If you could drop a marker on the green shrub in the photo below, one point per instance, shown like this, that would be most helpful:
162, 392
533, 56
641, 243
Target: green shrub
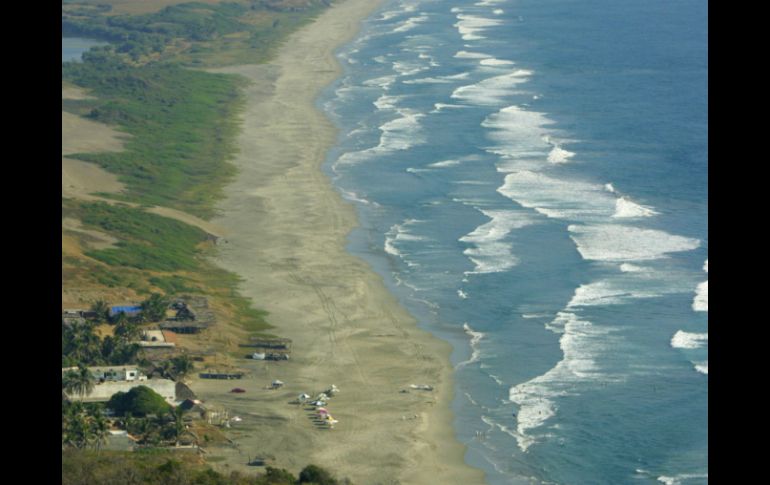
316, 475
139, 401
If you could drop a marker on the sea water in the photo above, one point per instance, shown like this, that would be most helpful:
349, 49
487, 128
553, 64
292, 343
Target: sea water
531, 182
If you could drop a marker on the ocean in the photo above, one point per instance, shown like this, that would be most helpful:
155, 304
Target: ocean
531, 181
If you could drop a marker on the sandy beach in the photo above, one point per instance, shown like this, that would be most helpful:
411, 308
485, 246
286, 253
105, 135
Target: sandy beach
287, 229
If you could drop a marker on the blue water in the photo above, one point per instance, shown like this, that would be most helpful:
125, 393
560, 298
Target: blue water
72, 48
531, 181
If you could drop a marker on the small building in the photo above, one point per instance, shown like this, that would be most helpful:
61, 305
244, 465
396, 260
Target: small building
129, 310
221, 375
112, 373
185, 314
183, 327
154, 339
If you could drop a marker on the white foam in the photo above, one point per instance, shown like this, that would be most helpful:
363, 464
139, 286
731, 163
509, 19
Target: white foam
493, 90
605, 292
495, 62
610, 188
624, 208
491, 254
399, 233
677, 480
633, 268
688, 340
701, 301
535, 315
498, 11
383, 82
397, 134
387, 102
559, 155
706, 266
401, 133
556, 198
471, 55
519, 135
581, 342
702, 367
489, 3
462, 75
389, 15
428, 80
354, 197
445, 163
470, 26
614, 242
462, 294
437, 79
411, 23
442, 106
474, 343
406, 68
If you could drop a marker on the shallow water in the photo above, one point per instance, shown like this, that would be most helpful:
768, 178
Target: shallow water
72, 48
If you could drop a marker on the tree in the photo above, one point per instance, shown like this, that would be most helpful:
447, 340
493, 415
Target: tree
316, 475
126, 331
278, 476
81, 344
139, 401
80, 382
102, 310
83, 425
182, 366
154, 308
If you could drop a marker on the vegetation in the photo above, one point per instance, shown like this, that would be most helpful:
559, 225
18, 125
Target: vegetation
80, 467
83, 425
139, 401
102, 311
81, 346
79, 382
154, 308
182, 125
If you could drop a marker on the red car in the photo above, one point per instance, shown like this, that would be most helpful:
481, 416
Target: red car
238, 390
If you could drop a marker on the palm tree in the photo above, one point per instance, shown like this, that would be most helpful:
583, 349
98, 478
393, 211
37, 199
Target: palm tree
98, 432
154, 308
80, 343
183, 365
80, 382
126, 330
166, 369
102, 310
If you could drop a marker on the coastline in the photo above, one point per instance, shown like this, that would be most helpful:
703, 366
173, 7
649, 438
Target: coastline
287, 232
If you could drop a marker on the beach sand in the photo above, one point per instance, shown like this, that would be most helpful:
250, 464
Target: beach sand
287, 229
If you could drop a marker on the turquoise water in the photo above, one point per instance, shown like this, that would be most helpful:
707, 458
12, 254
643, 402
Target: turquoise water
72, 48
531, 181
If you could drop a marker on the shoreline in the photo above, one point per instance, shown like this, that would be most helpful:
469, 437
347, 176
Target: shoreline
284, 218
